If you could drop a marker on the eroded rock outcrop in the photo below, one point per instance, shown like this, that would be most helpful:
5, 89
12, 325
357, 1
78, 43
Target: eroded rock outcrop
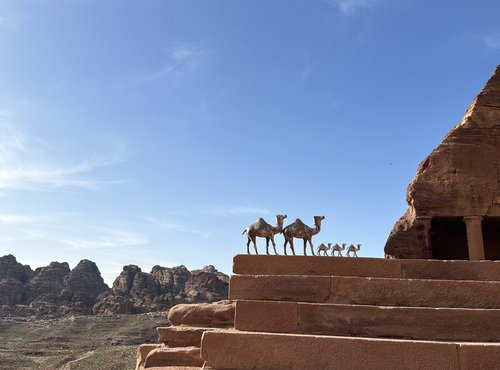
460, 178
50, 291
56, 290
135, 291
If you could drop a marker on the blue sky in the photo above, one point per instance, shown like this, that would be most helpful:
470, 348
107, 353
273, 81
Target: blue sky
154, 132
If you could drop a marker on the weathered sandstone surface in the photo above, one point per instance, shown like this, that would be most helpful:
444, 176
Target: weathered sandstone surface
460, 178
56, 290
135, 291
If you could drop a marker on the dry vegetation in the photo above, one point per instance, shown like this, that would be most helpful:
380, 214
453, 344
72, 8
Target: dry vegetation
76, 342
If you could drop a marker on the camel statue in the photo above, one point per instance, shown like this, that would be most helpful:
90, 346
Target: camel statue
323, 248
262, 229
300, 230
337, 248
353, 249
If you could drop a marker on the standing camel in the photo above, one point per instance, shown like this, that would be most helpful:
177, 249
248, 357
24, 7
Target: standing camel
300, 230
323, 248
353, 249
262, 229
337, 248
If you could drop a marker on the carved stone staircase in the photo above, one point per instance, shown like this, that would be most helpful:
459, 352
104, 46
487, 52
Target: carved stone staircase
359, 313
179, 347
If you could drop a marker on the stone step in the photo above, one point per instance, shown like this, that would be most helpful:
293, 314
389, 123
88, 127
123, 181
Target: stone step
366, 267
367, 291
265, 351
142, 353
218, 314
181, 336
421, 323
174, 368
165, 356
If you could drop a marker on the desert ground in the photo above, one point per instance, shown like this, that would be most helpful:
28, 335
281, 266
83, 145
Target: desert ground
76, 342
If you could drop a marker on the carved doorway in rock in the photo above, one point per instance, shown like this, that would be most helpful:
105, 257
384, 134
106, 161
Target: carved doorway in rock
491, 238
449, 239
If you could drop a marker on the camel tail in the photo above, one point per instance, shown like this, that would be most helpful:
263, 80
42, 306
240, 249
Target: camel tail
244, 232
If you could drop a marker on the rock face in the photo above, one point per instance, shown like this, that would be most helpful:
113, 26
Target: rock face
459, 180
135, 291
51, 291
56, 290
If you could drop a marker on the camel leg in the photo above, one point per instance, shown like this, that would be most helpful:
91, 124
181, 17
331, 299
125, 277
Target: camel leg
274, 245
291, 246
248, 245
267, 245
355, 254
305, 246
284, 246
255, 245
312, 247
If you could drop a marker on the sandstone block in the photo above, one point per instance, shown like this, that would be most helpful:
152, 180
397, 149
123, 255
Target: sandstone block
174, 368
276, 317
308, 265
420, 323
263, 351
163, 356
479, 356
280, 288
142, 352
415, 292
181, 336
446, 324
218, 314
450, 270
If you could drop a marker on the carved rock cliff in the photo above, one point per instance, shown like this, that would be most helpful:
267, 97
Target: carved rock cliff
460, 178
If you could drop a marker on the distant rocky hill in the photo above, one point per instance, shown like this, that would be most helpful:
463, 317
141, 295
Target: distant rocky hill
56, 290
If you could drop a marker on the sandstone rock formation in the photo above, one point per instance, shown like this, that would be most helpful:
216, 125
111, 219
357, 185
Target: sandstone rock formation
136, 292
51, 291
56, 290
454, 199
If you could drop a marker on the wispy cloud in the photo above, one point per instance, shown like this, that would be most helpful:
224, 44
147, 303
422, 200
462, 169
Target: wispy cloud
167, 225
29, 162
351, 6
181, 62
14, 235
110, 238
233, 211
11, 219
493, 41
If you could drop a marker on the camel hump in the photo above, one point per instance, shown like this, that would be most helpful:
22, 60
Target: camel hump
262, 222
298, 221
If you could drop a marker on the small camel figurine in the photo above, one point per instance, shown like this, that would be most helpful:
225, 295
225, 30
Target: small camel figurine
337, 248
300, 230
353, 249
323, 248
262, 229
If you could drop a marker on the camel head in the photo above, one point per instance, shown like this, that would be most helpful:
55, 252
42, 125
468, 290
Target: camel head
343, 246
280, 218
318, 219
